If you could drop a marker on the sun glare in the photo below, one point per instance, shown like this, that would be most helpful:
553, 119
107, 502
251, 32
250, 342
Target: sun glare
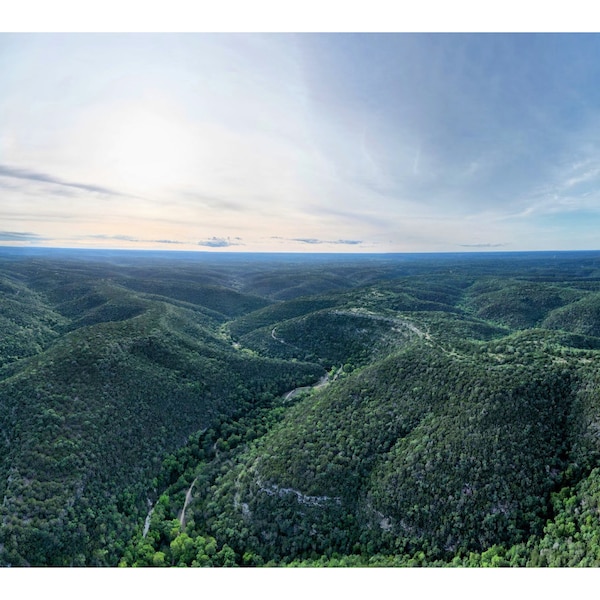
147, 151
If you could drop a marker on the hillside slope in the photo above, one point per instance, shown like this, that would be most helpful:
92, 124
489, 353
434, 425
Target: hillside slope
87, 420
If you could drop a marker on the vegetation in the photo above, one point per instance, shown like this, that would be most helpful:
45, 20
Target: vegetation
243, 410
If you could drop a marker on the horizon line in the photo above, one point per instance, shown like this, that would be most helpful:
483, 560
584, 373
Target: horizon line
221, 251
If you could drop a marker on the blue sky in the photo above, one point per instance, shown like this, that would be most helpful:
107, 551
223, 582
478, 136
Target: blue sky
301, 142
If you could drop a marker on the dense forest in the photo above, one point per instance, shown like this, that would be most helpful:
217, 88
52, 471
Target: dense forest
206, 409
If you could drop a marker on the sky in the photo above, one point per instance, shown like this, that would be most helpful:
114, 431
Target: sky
300, 142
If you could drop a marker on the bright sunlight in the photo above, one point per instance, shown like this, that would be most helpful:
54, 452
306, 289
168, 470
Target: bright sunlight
147, 151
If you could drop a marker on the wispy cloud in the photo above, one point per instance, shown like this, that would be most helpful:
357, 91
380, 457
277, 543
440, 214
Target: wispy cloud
129, 238
486, 245
307, 240
216, 202
122, 238
20, 236
347, 242
216, 242
317, 241
28, 175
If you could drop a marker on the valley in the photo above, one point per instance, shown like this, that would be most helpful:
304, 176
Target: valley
299, 410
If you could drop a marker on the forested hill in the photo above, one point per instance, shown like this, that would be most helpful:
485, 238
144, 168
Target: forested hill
235, 409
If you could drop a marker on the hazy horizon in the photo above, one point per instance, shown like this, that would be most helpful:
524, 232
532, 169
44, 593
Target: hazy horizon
39, 249
319, 143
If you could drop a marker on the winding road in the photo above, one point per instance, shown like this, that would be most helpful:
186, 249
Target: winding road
188, 497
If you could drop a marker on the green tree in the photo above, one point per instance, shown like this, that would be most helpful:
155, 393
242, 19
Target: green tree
183, 550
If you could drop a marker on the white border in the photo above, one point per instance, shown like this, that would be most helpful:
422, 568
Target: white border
297, 15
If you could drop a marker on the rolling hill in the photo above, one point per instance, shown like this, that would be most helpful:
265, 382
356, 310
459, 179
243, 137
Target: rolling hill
239, 410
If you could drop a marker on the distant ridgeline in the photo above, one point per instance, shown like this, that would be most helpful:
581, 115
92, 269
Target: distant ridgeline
206, 409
